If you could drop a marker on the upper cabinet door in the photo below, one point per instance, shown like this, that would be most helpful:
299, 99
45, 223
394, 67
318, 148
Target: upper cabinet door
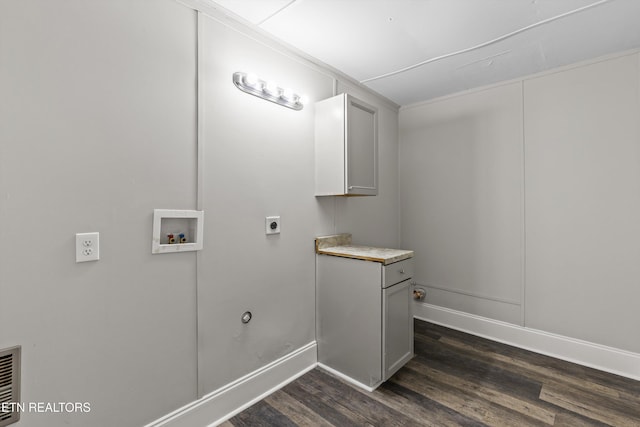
346, 147
361, 148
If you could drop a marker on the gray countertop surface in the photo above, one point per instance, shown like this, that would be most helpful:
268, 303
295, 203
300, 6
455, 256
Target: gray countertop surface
340, 245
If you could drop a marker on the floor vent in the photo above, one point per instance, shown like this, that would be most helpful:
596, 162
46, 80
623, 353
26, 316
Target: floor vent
9, 385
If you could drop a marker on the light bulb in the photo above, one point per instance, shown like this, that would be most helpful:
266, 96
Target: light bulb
271, 88
303, 99
288, 95
250, 79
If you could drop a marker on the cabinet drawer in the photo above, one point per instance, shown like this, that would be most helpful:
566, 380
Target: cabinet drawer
397, 272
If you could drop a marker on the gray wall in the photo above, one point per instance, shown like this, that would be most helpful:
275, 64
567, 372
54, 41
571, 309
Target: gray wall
521, 201
461, 193
98, 126
375, 221
582, 148
258, 161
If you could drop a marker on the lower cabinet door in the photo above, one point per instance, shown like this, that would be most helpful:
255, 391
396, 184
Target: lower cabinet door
397, 328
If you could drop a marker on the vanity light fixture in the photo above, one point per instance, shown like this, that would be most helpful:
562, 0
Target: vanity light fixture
270, 91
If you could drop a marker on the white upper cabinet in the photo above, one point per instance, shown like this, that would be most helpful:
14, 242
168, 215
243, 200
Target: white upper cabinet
346, 138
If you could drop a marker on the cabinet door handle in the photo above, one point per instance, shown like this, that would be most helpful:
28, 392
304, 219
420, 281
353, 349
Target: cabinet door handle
401, 271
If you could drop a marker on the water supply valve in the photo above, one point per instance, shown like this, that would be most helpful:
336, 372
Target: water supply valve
419, 294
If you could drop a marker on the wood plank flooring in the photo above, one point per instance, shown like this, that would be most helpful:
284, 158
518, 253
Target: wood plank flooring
457, 379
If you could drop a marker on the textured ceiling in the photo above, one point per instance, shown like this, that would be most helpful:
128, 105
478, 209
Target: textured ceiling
414, 50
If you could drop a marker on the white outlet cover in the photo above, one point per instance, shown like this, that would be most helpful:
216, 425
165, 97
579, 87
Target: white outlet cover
87, 247
269, 228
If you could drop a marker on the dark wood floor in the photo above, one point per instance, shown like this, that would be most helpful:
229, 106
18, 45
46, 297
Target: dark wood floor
457, 379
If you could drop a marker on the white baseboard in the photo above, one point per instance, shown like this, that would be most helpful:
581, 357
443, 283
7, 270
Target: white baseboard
348, 379
224, 403
609, 359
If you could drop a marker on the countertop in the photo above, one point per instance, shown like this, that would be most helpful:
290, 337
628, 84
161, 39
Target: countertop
340, 245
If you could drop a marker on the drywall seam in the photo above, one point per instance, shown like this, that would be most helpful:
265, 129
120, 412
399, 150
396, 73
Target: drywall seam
473, 294
487, 43
277, 12
544, 73
523, 223
200, 182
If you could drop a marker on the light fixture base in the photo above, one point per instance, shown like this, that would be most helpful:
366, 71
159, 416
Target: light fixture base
276, 95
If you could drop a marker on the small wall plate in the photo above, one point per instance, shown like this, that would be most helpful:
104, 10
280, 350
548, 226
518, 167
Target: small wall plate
87, 247
272, 225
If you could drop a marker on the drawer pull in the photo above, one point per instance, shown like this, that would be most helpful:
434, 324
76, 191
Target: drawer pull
401, 271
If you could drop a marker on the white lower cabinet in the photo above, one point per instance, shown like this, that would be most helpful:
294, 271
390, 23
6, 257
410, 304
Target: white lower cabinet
364, 318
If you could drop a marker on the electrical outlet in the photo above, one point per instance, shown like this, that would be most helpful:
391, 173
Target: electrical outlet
272, 225
87, 247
